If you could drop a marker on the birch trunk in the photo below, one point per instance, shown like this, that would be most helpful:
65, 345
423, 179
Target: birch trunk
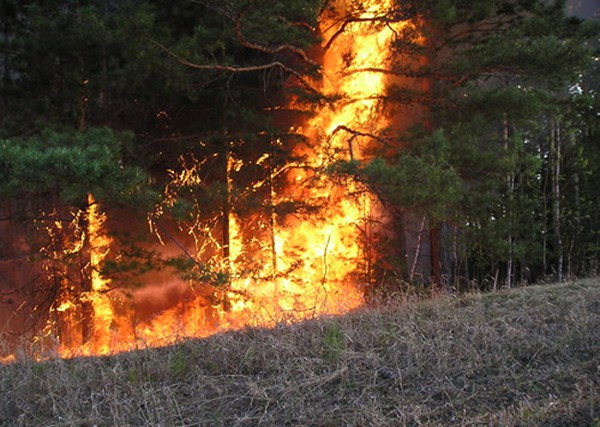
510, 188
556, 158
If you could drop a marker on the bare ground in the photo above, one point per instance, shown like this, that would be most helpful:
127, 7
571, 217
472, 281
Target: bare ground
528, 357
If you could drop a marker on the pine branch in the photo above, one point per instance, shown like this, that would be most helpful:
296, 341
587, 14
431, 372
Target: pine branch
388, 18
273, 51
355, 134
239, 68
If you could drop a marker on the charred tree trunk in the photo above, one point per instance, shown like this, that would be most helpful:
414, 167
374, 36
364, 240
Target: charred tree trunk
5, 66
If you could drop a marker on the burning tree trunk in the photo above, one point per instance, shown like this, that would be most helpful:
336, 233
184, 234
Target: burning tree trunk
272, 211
83, 313
85, 280
102, 313
226, 227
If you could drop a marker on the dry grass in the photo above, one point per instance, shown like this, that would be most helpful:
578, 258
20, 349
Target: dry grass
526, 357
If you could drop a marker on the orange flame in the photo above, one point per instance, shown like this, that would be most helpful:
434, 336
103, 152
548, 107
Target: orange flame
358, 46
310, 266
103, 312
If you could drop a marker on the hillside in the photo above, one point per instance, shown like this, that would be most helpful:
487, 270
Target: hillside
526, 357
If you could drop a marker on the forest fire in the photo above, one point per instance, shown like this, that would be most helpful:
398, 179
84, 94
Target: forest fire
310, 264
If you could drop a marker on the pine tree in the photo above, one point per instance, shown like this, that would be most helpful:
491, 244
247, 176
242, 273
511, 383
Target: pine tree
509, 67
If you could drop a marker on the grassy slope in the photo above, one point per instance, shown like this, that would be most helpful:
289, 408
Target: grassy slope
526, 357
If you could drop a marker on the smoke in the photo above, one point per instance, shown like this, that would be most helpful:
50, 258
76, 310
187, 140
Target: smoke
153, 299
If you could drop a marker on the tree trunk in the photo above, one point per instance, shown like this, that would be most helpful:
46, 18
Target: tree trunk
226, 226
5, 66
417, 248
576, 225
545, 220
556, 158
510, 189
272, 212
436, 257
87, 309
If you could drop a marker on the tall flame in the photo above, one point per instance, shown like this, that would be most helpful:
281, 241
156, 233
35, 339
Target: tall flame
358, 47
309, 267
103, 312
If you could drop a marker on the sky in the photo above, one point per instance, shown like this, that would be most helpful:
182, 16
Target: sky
584, 8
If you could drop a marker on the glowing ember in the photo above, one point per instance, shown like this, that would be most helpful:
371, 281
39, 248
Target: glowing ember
311, 264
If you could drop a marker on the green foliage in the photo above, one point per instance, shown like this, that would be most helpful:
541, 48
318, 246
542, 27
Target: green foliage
179, 364
333, 343
71, 165
499, 72
418, 179
118, 65
191, 269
